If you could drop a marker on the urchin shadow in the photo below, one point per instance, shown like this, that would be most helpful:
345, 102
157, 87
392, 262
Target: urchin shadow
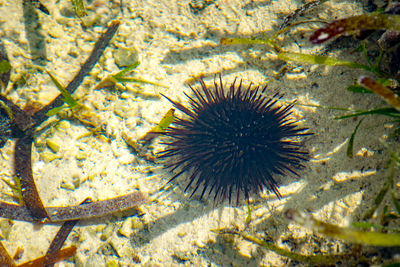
187, 212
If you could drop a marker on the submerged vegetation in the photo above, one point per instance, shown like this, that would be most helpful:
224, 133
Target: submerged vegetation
22, 125
378, 80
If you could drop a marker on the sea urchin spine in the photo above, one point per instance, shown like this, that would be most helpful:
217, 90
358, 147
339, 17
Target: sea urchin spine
233, 141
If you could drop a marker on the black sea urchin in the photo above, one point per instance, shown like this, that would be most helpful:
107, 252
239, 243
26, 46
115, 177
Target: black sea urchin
233, 141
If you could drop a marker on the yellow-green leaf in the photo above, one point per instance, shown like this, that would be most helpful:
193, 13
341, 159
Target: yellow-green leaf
321, 60
67, 96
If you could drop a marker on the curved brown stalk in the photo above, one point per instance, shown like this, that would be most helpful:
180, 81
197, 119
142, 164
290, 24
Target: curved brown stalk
23, 147
87, 211
23, 170
57, 243
97, 52
61, 255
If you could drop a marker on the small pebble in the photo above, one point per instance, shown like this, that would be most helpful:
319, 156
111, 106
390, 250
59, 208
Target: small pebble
125, 56
126, 228
53, 145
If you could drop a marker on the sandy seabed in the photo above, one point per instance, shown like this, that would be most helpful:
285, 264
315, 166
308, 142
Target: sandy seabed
176, 45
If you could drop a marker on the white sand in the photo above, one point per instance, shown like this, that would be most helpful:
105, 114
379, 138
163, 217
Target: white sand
175, 45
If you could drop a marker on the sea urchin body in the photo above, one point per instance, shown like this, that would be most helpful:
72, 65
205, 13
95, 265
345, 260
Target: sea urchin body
234, 141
